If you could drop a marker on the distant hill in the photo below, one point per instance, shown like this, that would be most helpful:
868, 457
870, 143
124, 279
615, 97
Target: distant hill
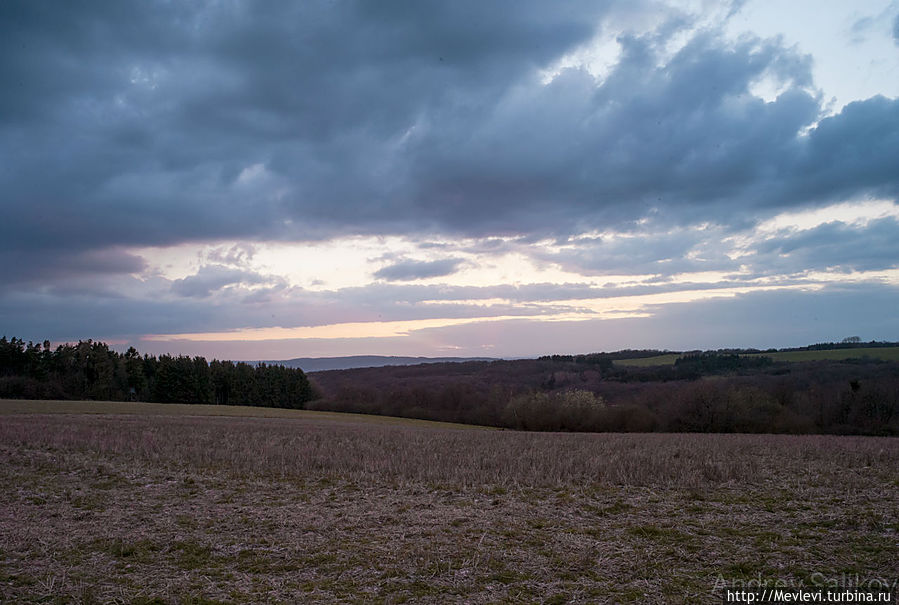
609, 392
320, 364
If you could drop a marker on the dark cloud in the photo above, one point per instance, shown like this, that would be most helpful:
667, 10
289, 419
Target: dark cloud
133, 121
685, 133
834, 246
409, 270
830, 246
850, 153
666, 253
141, 123
54, 265
99, 315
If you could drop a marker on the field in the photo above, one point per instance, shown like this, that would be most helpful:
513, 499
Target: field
884, 353
645, 362
140, 408
158, 508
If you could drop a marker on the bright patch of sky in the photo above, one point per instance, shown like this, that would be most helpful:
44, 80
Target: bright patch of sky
334, 265
855, 213
854, 53
852, 45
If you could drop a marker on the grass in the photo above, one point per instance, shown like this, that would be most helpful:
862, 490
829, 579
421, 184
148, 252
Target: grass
23, 406
645, 362
884, 353
174, 508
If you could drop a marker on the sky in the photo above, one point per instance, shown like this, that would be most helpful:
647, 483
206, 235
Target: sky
269, 180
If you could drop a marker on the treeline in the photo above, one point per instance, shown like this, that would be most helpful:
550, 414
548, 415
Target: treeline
703, 392
848, 343
91, 370
696, 365
853, 342
606, 359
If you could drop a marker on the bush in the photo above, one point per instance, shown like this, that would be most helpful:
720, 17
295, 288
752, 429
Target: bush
575, 410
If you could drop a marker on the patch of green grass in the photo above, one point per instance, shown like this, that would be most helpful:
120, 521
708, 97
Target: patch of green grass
108, 483
645, 362
22, 579
882, 353
141, 551
87, 501
258, 561
618, 507
201, 600
660, 534
191, 555
507, 576
186, 521
631, 595
744, 570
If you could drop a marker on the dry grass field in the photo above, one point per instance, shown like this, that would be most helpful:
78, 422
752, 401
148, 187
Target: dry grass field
155, 508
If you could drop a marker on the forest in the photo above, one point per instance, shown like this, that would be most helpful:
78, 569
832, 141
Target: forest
724, 391
91, 370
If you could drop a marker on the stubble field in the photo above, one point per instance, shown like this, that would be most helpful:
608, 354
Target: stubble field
189, 509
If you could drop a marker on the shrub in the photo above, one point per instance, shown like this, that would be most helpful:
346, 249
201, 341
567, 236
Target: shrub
575, 410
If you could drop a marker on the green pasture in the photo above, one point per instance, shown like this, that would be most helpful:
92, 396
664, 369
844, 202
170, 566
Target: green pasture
884, 353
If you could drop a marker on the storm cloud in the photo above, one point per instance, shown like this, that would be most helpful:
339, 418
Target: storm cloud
129, 126
151, 123
836, 246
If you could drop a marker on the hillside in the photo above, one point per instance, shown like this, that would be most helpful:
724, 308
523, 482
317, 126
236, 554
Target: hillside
320, 364
884, 351
699, 392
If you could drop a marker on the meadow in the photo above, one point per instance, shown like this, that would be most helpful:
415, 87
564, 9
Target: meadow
122, 506
142, 408
882, 353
